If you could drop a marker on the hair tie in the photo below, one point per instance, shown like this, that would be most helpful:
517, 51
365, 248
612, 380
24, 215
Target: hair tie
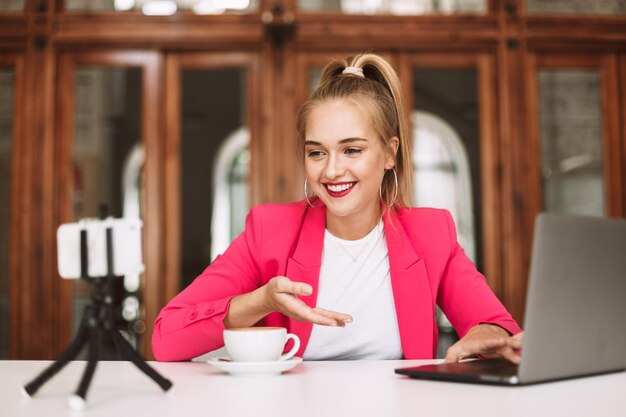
354, 71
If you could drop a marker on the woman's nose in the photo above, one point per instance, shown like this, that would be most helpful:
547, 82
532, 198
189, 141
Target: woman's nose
334, 167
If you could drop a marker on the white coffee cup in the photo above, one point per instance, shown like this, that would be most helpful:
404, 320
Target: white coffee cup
259, 344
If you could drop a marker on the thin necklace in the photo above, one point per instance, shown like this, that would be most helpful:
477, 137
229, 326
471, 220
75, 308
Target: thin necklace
373, 244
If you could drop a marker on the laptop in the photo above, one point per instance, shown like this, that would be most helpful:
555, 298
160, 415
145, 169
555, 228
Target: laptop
575, 322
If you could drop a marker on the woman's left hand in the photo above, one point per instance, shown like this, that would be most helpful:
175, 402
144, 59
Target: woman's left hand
487, 340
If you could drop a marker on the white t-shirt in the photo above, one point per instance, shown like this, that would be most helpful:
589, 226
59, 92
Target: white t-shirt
355, 279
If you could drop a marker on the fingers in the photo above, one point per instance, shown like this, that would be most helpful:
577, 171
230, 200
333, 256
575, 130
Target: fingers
340, 318
285, 285
509, 354
516, 342
511, 351
452, 355
315, 317
460, 350
488, 347
301, 312
284, 294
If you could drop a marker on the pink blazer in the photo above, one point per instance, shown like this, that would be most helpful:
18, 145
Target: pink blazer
427, 267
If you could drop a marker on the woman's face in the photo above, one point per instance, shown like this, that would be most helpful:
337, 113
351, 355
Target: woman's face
345, 160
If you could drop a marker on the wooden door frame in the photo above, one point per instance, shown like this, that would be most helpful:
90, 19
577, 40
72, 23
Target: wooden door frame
175, 63
17, 292
530, 177
607, 66
490, 158
622, 127
153, 213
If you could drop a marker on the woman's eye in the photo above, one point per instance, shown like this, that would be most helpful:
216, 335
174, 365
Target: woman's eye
315, 154
353, 151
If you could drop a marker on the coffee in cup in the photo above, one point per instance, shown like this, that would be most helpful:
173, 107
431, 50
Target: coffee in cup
259, 344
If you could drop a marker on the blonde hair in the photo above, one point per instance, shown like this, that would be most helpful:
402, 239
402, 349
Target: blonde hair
378, 94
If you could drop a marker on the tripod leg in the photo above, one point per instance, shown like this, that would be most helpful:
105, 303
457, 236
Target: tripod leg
70, 353
130, 354
77, 401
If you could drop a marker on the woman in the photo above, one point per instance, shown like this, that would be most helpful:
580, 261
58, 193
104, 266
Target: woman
351, 270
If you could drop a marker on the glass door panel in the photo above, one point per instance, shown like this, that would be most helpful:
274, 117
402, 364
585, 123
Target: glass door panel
107, 166
315, 73
446, 158
165, 7
577, 7
12, 6
571, 132
6, 135
395, 7
214, 164
446, 148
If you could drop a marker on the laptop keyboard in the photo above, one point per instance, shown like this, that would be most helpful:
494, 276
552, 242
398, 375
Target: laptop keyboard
499, 367
489, 371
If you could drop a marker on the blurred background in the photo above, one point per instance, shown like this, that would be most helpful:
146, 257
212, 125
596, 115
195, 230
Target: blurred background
182, 113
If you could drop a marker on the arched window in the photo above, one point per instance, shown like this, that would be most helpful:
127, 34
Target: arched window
230, 190
131, 201
442, 174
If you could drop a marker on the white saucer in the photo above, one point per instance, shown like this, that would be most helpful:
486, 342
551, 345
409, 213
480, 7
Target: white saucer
253, 368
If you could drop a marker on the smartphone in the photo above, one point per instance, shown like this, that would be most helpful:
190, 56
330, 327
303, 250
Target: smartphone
126, 242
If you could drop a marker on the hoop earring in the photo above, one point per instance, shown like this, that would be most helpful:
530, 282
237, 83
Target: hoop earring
395, 194
306, 194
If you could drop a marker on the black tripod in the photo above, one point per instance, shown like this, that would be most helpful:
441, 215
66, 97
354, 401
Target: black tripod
97, 321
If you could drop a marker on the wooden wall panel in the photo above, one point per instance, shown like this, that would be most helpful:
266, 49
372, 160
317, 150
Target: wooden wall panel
516, 226
39, 311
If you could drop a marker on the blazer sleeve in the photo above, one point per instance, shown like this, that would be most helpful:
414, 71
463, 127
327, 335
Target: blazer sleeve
191, 324
464, 295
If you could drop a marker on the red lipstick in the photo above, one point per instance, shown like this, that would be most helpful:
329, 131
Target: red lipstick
337, 194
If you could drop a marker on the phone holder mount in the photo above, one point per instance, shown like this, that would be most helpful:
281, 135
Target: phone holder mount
97, 322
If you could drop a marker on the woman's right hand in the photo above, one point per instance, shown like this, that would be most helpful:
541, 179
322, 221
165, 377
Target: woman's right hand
281, 295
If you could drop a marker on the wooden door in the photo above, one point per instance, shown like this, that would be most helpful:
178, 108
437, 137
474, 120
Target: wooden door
212, 107
107, 113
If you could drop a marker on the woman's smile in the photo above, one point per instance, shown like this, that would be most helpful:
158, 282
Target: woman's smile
339, 189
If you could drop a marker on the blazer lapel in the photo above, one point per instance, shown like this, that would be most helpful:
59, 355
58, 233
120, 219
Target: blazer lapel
304, 266
414, 304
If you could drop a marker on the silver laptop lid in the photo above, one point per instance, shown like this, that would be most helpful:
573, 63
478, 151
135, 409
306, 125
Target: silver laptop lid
576, 304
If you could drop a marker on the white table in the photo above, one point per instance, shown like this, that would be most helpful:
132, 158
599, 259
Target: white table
320, 389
